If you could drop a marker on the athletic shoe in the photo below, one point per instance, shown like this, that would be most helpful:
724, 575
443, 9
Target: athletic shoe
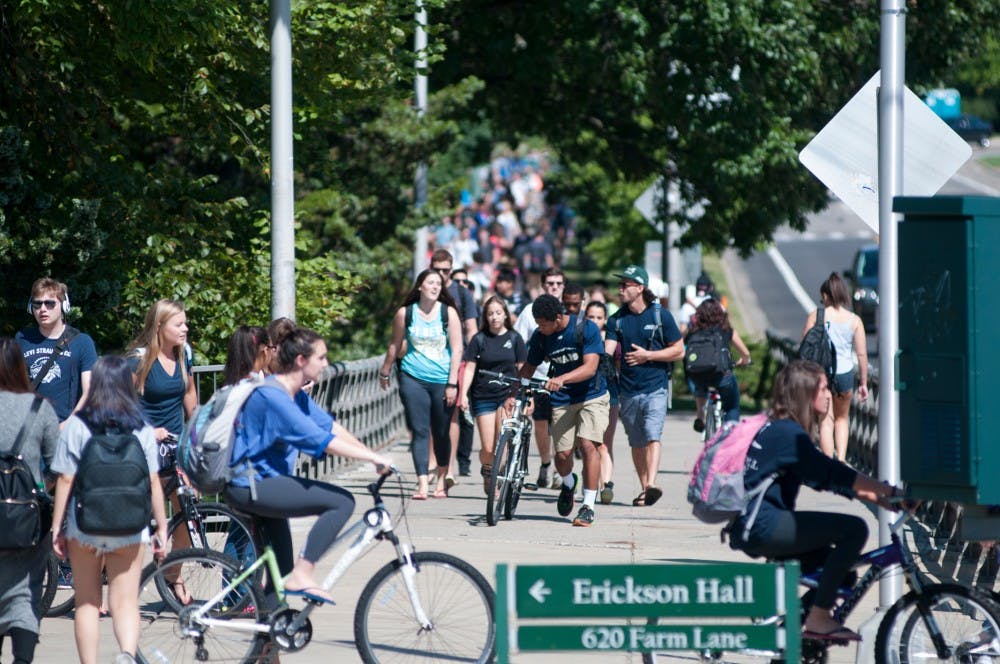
564, 504
585, 517
543, 476
608, 493
699, 424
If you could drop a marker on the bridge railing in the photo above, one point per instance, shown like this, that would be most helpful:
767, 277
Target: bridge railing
935, 535
351, 393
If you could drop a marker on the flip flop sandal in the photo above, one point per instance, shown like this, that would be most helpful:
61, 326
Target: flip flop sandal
841, 634
309, 596
640, 500
653, 494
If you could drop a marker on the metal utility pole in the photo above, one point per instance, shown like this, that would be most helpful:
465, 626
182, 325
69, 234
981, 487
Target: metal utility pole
890, 185
420, 90
282, 184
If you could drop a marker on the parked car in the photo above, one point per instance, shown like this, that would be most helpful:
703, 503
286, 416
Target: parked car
972, 129
862, 283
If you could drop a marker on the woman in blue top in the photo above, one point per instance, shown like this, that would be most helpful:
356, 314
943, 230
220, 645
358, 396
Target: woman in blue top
280, 421
428, 373
786, 447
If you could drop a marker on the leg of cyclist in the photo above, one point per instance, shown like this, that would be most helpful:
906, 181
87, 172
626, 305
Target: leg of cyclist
800, 535
279, 498
700, 391
729, 390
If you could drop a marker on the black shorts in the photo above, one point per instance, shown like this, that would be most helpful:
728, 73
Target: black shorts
543, 408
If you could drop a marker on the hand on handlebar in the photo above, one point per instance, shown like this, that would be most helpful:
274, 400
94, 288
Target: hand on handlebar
383, 465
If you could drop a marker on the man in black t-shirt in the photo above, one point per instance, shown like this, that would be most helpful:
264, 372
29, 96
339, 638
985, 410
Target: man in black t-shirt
462, 429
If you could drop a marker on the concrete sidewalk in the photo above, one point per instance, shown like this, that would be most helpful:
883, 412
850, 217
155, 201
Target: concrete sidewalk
665, 532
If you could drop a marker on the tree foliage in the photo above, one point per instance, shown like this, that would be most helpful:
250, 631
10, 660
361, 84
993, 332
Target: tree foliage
715, 95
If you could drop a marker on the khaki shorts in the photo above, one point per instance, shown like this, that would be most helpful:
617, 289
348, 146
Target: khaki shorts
588, 420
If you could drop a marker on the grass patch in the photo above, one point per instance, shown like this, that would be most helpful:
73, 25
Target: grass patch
993, 161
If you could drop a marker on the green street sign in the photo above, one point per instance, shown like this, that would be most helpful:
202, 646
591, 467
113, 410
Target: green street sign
689, 591
648, 638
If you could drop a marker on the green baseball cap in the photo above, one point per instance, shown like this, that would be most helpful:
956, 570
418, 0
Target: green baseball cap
636, 273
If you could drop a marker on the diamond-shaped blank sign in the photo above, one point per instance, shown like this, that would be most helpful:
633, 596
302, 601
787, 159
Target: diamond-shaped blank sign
844, 154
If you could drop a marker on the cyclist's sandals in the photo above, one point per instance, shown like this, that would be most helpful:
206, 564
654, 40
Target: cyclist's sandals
309, 596
839, 634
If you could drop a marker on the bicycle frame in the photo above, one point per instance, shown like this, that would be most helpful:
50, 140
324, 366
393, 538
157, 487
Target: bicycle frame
374, 525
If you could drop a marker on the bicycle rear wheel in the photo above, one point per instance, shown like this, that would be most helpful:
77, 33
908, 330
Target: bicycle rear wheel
169, 630
968, 621
58, 596
499, 477
219, 528
712, 414
458, 603
50, 583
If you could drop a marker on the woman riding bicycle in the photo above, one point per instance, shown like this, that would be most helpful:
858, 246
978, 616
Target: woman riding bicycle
279, 421
785, 447
711, 317
497, 347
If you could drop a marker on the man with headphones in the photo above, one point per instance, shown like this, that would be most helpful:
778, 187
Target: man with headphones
59, 357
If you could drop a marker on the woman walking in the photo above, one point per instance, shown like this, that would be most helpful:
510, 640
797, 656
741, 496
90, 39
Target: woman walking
111, 402
848, 336
498, 348
428, 322
21, 570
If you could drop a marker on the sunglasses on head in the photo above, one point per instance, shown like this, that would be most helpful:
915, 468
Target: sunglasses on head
49, 304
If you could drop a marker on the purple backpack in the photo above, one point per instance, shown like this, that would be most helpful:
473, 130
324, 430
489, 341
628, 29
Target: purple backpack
716, 491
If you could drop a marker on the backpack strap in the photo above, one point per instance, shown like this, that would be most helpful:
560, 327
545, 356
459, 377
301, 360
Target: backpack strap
819, 315
581, 322
36, 403
64, 339
408, 316
657, 317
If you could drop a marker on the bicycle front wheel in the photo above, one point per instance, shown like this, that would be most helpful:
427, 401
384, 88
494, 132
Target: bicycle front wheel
456, 599
171, 593
968, 622
519, 472
500, 474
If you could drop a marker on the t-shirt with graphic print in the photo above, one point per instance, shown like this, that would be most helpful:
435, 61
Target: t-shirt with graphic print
500, 353
61, 385
628, 328
564, 356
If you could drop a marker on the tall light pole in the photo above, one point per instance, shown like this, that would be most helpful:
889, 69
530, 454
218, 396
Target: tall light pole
282, 183
420, 93
890, 184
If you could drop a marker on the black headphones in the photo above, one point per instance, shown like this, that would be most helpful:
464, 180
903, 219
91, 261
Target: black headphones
64, 303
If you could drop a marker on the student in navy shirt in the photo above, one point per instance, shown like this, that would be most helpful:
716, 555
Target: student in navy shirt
786, 446
580, 401
650, 342
280, 421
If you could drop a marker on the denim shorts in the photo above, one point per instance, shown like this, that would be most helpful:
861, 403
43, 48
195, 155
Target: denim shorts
643, 416
844, 382
485, 406
102, 543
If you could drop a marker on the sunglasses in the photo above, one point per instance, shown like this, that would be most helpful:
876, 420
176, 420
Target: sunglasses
49, 304
464, 282
442, 270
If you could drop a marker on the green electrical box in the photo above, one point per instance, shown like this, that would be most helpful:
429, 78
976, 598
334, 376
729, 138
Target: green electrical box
948, 363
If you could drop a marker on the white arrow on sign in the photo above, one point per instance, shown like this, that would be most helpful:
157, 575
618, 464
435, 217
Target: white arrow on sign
539, 591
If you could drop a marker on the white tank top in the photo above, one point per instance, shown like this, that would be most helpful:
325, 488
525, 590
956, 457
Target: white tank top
842, 336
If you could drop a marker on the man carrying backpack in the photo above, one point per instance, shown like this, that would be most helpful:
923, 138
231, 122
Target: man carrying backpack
579, 395
650, 343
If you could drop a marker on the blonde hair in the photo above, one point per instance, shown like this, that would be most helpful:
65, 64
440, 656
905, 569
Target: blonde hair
148, 344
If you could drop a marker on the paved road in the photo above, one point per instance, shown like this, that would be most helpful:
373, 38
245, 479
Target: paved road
621, 534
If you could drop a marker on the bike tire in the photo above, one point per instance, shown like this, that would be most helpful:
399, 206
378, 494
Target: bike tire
222, 529
169, 634
968, 620
50, 583
711, 420
517, 481
499, 475
457, 599
63, 597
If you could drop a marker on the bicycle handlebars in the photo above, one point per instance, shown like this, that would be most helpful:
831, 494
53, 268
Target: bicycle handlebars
528, 383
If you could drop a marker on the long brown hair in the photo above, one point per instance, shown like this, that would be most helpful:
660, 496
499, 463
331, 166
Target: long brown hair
13, 372
835, 291
793, 393
149, 341
711, 314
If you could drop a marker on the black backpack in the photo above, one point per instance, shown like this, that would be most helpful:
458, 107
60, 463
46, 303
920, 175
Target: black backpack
21, 501
817, 347
707, 354
111, 487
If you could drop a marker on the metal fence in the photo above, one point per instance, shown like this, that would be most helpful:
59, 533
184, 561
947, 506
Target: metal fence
936, 535
351, 393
